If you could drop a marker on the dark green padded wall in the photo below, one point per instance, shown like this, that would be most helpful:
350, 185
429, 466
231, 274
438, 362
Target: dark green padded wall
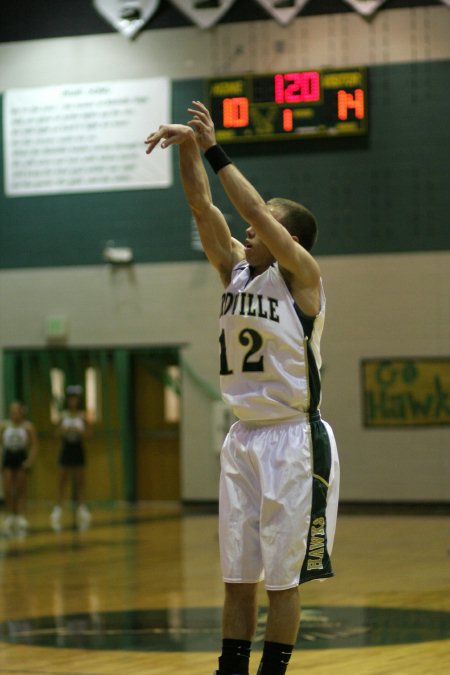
388, 192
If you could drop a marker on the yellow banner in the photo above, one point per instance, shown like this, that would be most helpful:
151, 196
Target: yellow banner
406, 392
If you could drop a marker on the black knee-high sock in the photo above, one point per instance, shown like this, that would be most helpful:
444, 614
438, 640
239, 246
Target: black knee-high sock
275, 658
235, 657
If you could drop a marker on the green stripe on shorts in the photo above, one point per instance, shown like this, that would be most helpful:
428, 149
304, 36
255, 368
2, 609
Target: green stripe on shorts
317, 563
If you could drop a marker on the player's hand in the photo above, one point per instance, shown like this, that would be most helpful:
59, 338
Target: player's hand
203, 125
168, 134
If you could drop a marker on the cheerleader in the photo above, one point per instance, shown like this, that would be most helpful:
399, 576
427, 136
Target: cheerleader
73, 429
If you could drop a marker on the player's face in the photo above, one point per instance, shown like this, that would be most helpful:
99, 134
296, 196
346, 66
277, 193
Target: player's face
256, 252
73, 402
16, 413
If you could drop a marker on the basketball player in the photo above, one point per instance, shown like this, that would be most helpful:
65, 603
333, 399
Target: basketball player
279, 464
19, 442
73, 429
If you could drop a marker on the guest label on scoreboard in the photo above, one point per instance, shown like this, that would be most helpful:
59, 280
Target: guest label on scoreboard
289, 105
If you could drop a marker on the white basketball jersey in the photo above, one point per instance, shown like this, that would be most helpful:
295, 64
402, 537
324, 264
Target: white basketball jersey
269, 350
72, 426
15, 438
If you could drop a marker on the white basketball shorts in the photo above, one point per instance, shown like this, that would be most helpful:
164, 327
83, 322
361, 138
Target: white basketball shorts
278, 502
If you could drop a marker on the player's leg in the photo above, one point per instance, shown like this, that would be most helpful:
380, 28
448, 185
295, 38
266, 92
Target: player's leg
78, 473
285, 465
240, 552
20, 497
56, 514
283, 622
83, 515
64, 473
283, 619
239, 611
8, 493
238, 628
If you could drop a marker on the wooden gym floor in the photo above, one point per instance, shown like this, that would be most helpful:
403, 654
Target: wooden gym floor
140, 592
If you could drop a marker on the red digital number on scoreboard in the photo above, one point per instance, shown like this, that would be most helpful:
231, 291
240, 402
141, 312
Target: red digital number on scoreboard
288, 120
347, 101
297, 87
235, 112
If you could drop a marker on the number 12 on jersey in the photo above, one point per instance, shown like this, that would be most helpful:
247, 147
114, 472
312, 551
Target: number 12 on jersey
251, 362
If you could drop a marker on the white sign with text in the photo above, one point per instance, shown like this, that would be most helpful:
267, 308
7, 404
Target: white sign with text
85, 137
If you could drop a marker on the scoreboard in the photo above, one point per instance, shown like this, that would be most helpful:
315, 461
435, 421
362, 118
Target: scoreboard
289, 105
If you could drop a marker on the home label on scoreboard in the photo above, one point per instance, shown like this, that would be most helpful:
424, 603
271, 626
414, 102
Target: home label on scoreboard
289, 105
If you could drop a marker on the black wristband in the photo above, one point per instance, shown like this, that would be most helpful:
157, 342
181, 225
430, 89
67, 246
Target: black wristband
217, 158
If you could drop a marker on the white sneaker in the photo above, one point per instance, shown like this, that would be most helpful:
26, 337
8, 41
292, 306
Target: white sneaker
55, 518
8, 524
21, 523
84, 517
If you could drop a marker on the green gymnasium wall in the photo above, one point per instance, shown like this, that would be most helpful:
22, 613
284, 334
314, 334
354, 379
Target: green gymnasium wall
387, 192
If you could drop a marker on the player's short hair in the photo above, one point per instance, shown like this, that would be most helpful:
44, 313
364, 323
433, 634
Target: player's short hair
297, 219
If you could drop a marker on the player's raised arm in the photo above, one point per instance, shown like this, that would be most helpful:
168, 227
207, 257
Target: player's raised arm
221, 249
263, 218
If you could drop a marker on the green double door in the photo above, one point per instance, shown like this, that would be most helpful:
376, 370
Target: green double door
133, 398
